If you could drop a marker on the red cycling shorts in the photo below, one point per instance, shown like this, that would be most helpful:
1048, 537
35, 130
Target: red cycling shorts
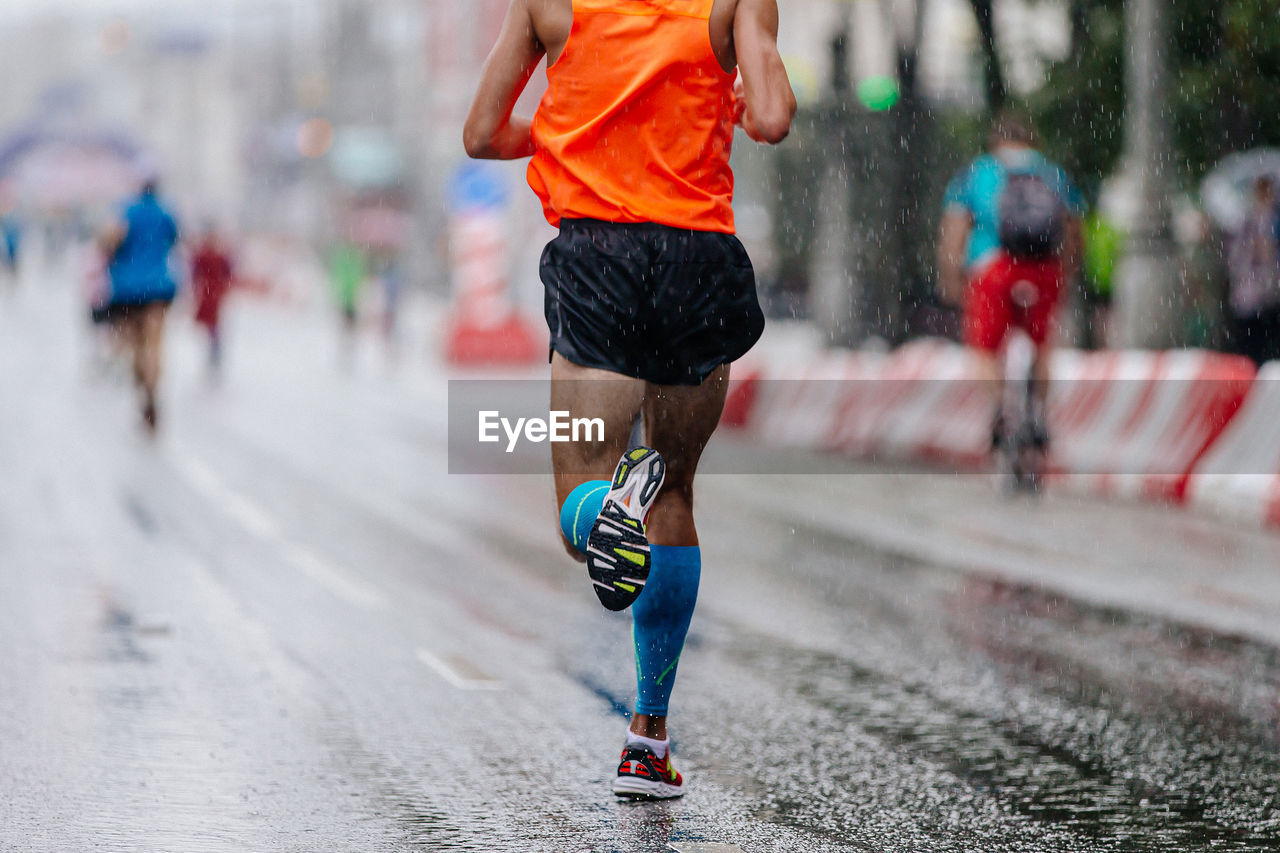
1011, 292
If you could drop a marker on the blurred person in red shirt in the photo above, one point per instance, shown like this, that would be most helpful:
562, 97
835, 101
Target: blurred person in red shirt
212, 273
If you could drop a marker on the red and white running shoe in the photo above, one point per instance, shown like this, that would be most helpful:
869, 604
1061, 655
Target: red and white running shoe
642, 775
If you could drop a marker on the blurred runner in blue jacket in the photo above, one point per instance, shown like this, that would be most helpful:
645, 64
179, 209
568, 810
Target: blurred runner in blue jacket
142, 287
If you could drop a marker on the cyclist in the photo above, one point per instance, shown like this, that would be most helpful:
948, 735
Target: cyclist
647, 290
1010, 237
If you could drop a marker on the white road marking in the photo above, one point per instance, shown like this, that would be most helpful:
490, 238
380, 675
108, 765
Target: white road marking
259, 522
197, 474
459, 672
424, 528
250, 515
338, 581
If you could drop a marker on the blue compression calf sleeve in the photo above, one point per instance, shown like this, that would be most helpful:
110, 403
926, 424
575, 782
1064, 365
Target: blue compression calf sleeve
661, 620
580, 510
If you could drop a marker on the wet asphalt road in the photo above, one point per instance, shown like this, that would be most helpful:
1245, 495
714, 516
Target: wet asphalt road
283, 626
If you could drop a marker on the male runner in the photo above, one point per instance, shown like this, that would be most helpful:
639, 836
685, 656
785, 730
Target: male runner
142, 287
1010, 236
649, 295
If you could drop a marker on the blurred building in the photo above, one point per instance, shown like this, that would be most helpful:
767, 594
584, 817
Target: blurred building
155, 93
283, 116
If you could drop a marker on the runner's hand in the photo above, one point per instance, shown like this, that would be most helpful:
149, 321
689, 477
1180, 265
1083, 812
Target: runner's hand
739, 101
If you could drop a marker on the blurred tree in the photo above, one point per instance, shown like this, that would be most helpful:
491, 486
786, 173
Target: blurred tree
1228, 89
1226, 86
997, 93
1080, 109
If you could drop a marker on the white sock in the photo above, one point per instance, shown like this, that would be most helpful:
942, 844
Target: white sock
659, 747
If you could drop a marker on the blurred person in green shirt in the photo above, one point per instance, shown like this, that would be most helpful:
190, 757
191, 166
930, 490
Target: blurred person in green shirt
1103, 243
348, 269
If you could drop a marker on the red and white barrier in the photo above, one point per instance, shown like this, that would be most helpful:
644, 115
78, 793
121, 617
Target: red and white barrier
941, 411
1136, 423
1128, 423
1240, 475
918, 401
806, 409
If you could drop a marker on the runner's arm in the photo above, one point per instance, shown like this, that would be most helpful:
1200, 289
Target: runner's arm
491, 132
1072, 247
953, 237
110, 238
768, 102
1071, 250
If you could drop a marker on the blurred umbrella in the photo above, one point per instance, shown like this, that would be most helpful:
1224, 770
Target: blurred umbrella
1226, 190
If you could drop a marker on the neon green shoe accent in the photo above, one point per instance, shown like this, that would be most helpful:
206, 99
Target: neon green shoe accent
638, 559
637, 454
631, 522
622, 474
624, 586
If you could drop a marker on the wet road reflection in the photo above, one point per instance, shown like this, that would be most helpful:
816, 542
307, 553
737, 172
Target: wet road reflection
283, 627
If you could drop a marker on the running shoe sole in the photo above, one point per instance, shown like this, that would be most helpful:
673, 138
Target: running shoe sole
645, 789
618, 557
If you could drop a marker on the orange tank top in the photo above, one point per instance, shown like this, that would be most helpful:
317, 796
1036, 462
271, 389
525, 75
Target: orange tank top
637, 120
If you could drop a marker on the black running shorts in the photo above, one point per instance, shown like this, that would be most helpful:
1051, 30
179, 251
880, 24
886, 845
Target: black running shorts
113, 311
667, 305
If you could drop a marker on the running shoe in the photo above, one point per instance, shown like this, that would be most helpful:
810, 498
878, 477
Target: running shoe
642, 775
617, 549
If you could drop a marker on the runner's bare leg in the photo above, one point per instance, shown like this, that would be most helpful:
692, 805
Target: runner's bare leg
150, 348
588, 392
678, 422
